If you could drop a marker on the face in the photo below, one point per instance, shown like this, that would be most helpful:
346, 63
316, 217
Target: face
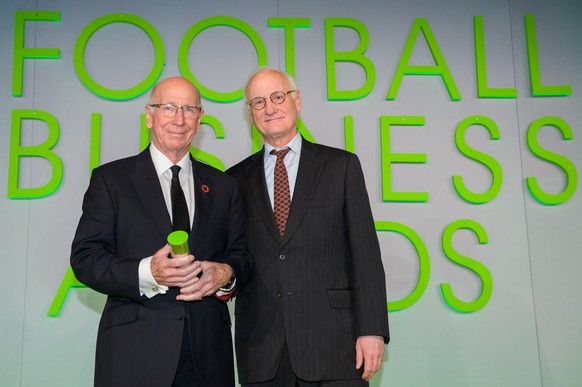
276, 123
173, 135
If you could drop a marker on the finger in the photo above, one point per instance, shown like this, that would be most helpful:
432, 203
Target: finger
181, 261
359, 357
373, 365
366, 374
188, 294
163, 252
185, 276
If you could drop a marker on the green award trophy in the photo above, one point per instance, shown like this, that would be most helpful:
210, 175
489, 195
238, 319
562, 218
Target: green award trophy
178, 241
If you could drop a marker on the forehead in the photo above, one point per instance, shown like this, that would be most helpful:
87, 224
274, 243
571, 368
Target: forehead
263, 84
175, 92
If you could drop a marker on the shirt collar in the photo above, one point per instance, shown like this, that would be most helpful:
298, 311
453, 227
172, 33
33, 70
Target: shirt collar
163, 163
294, 145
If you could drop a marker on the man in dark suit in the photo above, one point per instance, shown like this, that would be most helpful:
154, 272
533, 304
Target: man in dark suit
314, 312
165, 322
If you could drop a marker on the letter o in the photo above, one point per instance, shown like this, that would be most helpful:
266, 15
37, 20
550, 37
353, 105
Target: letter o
423, 262
214, 21
115, 94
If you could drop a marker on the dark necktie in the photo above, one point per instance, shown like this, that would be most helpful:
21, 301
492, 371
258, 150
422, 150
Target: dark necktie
282, 196
180, 216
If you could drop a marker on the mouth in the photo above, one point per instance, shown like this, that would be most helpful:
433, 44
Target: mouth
176, 133
273, 119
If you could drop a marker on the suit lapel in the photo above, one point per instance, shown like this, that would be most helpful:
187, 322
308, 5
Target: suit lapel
203, 201
149, 192
255, 174
308, 174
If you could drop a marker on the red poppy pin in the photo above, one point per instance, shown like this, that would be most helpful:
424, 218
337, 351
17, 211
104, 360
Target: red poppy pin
205, 188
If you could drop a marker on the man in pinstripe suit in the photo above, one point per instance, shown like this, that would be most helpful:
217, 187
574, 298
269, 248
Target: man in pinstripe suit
314, 312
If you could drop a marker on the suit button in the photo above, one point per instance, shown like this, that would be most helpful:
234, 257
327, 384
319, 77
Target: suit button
282, 257
179, 317
280, 294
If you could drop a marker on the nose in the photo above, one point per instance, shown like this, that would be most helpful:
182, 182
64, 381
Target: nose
179, 117
270, 107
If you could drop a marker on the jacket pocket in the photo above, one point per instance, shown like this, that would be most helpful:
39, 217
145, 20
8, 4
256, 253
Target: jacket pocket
118, 313
340, 298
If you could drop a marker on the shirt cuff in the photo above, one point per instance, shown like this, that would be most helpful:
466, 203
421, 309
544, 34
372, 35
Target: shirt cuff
225, 292
147, 284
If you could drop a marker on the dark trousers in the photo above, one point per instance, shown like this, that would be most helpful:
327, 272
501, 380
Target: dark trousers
286, 377
186, 373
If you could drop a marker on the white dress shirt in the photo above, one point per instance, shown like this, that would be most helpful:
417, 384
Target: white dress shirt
147, 284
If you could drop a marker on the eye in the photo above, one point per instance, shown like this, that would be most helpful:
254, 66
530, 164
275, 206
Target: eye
257, 102
168, 108
278, 97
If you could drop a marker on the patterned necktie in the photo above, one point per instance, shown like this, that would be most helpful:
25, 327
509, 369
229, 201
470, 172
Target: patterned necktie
180, 216
282, 196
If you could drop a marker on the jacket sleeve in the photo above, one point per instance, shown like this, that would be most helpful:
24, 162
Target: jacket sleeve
94, 258
368, 270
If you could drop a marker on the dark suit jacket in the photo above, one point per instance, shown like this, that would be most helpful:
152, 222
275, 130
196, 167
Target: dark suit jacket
320, 286
124, 220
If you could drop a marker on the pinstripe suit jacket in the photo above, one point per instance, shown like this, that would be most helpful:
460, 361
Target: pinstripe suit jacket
320, 286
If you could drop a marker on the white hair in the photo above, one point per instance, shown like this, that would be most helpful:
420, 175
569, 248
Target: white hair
260, 70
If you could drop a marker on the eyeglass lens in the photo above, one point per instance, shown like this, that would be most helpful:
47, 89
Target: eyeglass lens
277, 97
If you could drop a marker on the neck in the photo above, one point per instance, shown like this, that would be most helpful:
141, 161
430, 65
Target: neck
280, 142
175, 157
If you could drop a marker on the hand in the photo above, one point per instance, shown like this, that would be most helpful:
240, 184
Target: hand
179, 271
369, 352
214, 276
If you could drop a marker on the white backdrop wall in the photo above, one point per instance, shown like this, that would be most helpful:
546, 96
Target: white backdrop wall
515, 259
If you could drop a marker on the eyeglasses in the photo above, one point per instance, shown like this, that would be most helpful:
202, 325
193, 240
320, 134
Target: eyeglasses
277, 97
169, 110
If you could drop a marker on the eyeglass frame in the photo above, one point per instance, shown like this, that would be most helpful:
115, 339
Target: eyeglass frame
159, 106
250, 103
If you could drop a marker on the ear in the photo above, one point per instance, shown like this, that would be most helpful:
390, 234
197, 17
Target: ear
298, 101
149, 118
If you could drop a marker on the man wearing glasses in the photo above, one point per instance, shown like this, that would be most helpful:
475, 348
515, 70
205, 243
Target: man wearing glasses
165, 322
314, 312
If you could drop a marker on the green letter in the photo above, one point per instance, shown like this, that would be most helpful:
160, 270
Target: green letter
389, 158
144, 133
477, 267
68, 281
349, 133
42, 150
95, 146
440, 68
484, 91
20, 52
205, 157
132, 92
566, 165
289, 24
488, 161
216, 21
423, 263
354, 56
537, 89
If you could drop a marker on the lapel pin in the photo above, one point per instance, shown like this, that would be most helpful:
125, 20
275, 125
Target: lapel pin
205, 188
